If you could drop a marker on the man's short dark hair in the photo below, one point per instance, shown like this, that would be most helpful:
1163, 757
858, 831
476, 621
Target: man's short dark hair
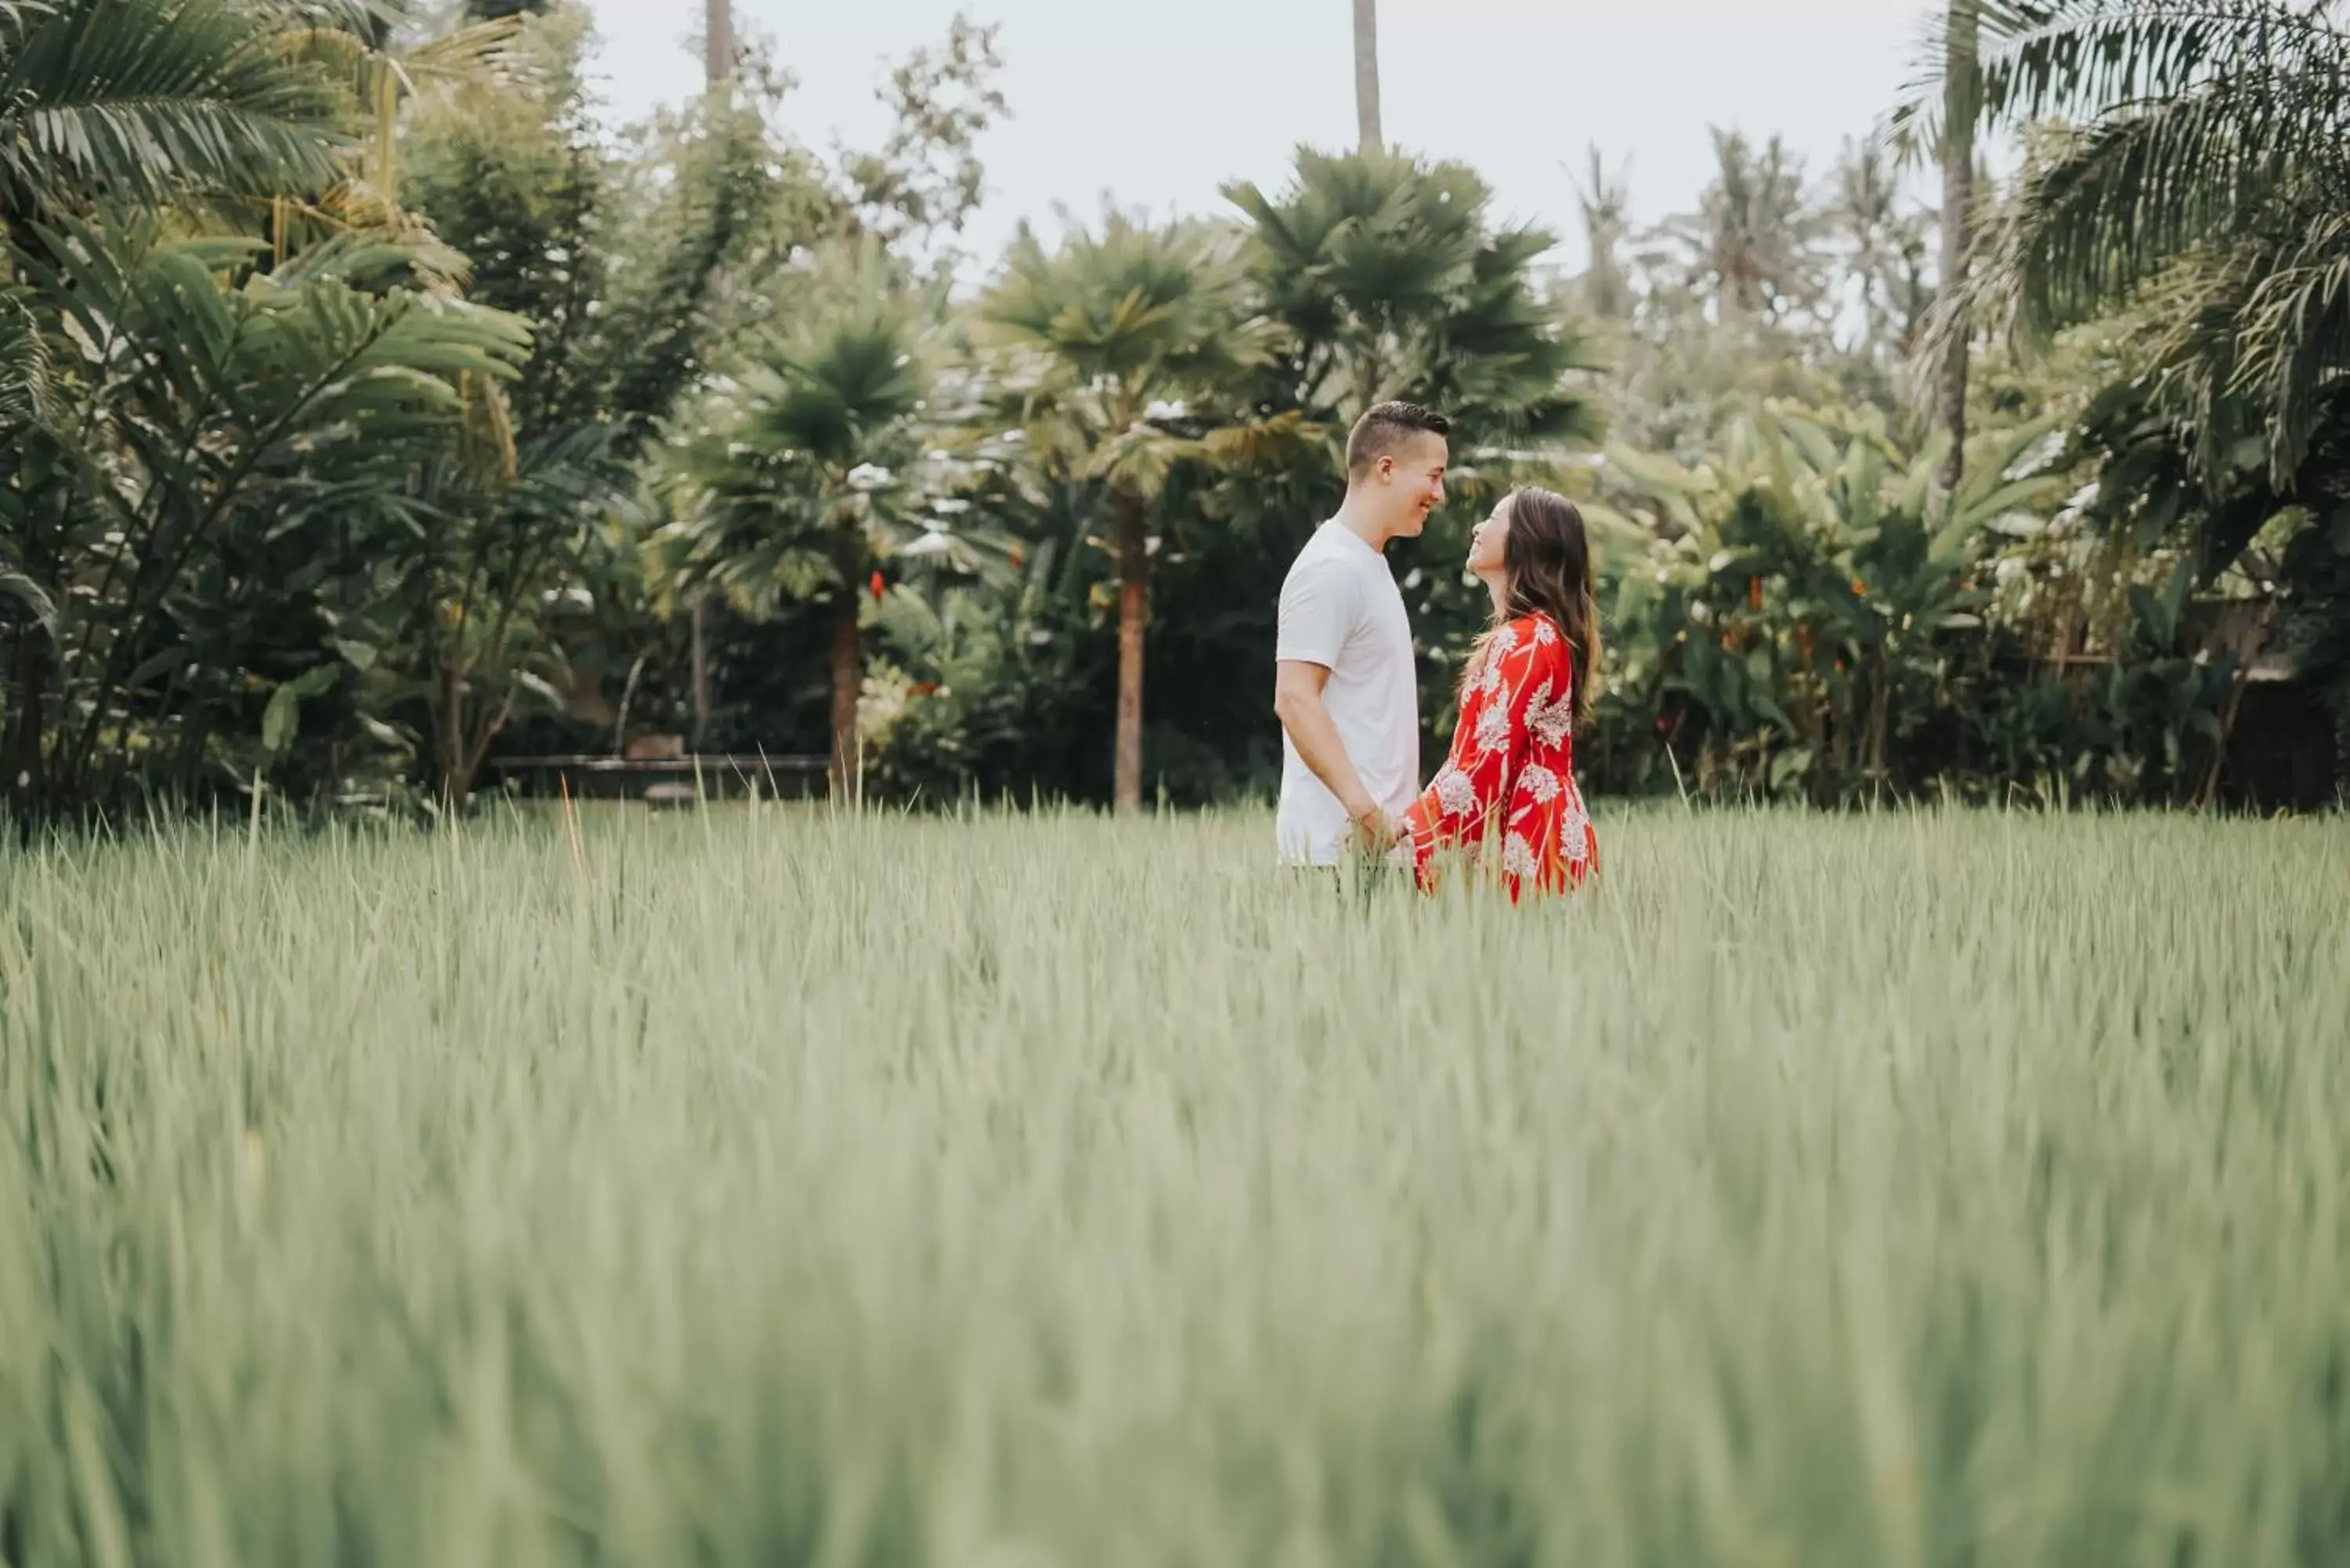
1384, 428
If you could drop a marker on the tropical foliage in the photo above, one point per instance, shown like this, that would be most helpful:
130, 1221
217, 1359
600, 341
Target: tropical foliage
372, 410
1112, 337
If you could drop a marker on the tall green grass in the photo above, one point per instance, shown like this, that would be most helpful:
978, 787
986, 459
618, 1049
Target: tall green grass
1904, 1190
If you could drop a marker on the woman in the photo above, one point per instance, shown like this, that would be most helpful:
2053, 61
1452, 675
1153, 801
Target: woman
1509, 778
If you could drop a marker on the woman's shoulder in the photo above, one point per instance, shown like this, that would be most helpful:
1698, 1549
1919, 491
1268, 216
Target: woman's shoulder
1535, 631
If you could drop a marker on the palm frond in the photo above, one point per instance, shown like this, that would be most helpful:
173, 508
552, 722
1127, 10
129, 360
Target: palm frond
2302, 337
2079, 59
24, 361
1128, 302
2121, 201
148, 100
482, 53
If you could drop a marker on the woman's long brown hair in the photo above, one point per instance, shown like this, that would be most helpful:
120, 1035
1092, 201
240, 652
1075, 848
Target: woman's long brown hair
1546, 563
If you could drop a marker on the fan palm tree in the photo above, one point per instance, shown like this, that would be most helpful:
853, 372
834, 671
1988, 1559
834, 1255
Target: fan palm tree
803, 478
2204, 173
1389, 281
1114, 335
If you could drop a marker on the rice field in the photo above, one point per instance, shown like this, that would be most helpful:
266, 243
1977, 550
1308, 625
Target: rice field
1905, 1190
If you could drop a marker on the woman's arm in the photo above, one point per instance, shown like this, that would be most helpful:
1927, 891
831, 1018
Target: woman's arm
1473, 786
1542, 793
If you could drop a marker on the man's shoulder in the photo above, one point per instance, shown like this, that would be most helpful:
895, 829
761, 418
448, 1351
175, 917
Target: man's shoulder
1316, 545
1318, 556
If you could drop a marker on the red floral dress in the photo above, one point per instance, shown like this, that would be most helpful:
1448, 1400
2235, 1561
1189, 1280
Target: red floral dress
1509, 778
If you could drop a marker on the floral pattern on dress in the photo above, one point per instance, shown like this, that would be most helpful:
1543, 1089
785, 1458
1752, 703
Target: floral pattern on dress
1492, 723
1511, 773
1551, 721
1454, 790
1489, 674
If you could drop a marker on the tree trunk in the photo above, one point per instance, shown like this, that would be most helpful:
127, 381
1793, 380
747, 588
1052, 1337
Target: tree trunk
718, 69
847, 679
1959, 103
718, 41
28, 690
1366, 75
1133, 607
1880, 720
456, 776
699, 636
849, 559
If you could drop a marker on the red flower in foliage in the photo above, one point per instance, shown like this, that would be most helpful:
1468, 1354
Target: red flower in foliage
876, 588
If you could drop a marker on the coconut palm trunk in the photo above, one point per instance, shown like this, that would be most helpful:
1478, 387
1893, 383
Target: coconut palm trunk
1133, 609
718, 67
1959, 105
718, 40
1367, 74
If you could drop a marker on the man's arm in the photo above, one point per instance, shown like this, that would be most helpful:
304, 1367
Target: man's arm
1298, 702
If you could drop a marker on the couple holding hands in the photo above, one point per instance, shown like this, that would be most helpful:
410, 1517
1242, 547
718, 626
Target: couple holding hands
1347, 683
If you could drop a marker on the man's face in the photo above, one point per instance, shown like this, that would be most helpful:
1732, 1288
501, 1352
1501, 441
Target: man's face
1414, 477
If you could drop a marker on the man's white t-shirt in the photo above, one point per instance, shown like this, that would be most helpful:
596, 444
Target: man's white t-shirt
1340, 608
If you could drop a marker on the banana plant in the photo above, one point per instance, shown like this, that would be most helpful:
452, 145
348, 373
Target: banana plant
1803, 601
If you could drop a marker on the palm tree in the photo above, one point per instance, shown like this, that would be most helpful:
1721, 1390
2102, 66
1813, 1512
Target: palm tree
1605, 202
150, 100
1367, 76
1389, 280
1962, 38
1120, 330
1883, 247
2205, 174
718, 70
803, 479
142, 103
1750, 242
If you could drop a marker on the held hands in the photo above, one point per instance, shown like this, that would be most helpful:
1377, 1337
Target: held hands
1375, 833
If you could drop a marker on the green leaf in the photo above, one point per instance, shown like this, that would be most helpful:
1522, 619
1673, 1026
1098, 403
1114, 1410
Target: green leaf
313, 682
279, 719
282, 717
1789, 766
147, 102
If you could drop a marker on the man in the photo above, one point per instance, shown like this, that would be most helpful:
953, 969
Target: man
1346, 687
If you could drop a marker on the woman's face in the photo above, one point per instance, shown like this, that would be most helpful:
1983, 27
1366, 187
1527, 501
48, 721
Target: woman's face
1488, 542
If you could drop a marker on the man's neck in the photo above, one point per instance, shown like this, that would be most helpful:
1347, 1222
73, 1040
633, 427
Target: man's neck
1356, 518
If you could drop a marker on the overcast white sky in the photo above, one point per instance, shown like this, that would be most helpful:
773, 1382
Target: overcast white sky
1159, 103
